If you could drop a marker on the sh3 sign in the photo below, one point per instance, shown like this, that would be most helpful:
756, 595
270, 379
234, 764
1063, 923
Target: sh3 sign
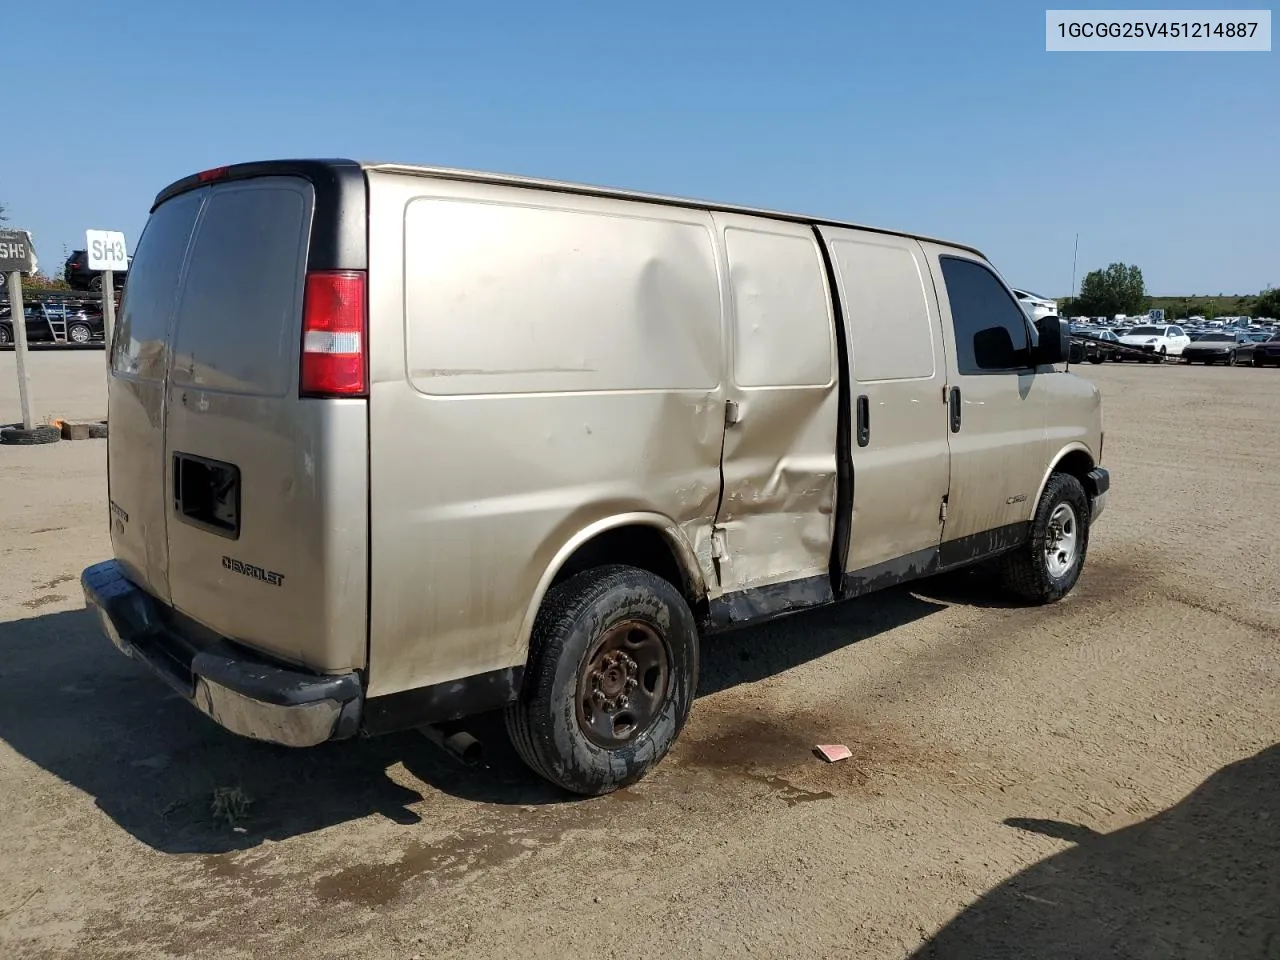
106, 250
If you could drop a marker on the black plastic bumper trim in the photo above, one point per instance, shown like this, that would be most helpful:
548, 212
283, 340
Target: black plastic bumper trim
441, 702
179, 651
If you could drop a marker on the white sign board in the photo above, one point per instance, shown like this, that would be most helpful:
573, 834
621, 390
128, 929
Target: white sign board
1155, 316
106, 250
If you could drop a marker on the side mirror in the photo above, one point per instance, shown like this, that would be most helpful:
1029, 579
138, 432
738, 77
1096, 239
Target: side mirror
1055, 342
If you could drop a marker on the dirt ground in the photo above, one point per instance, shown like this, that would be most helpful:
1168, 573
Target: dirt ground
1096, 779
66, 382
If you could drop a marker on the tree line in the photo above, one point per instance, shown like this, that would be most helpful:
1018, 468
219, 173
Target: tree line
1120, 289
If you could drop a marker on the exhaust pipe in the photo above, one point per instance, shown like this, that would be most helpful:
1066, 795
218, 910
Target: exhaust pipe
459, 743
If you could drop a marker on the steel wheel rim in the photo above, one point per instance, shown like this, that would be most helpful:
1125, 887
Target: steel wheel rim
623, 684
1063, 540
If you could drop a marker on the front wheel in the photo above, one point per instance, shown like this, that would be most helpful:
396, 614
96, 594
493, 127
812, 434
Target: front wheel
6, 336
1048, 566
612, 672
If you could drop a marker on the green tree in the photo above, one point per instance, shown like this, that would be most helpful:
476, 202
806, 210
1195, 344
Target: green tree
4, 213
1268, 303
1117, 289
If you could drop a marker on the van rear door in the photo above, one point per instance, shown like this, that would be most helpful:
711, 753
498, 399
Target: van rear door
266, 490
135, 396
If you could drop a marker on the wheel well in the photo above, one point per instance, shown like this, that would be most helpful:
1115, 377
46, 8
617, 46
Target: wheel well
1077, 463
636, 545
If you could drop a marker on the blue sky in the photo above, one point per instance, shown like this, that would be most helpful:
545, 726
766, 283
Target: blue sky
946, 119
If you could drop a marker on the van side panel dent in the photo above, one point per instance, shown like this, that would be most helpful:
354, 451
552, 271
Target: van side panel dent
607, 316
777, 516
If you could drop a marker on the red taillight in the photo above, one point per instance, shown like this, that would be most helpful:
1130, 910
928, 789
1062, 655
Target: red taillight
217, 173
334, 335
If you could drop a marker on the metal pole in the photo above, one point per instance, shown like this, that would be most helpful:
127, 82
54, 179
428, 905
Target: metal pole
1073, 265
19, 317
108, 309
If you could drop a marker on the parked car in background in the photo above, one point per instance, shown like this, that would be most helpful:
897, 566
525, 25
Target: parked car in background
1223, 346
54, 323
1267, 353
1101, 346
1159, 341
79, 277
1036, 306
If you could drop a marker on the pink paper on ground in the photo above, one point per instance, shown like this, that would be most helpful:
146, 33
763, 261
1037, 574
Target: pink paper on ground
831, 752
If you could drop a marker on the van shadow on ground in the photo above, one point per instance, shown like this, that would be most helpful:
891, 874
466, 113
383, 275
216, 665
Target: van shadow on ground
1201, 879
72, 704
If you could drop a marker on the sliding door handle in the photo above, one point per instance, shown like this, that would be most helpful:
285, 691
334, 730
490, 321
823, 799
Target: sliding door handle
864, 421
953, 401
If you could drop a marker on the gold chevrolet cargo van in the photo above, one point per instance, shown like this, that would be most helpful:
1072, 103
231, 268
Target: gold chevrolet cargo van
392, 445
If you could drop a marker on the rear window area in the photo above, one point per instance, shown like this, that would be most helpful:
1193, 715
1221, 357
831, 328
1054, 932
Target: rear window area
142, 329
240, 315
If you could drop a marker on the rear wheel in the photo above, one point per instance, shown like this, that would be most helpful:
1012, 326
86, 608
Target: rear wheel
613, 668
79, 333
95, 283
1048, 566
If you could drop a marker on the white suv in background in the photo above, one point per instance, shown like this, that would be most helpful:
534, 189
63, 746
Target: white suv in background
1161, 340
1036, 306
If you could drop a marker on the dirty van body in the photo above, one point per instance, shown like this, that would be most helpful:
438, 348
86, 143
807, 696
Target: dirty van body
393, 445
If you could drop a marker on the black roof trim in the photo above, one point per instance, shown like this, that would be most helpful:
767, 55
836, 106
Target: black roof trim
339, 227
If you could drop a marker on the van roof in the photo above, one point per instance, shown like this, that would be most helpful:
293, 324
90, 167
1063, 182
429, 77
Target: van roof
309, 167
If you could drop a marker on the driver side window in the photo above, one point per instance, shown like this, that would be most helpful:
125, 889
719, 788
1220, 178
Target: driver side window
990, 327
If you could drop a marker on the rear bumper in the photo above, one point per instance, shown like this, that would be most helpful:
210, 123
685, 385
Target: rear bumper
245, 694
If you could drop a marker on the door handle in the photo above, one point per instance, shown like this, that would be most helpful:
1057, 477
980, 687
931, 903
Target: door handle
864, 421
954, 402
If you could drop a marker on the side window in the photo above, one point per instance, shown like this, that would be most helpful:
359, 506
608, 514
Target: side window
990, 327
138, 347
782, 320
886, 311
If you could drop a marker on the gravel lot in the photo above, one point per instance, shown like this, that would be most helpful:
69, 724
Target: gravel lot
1100, 778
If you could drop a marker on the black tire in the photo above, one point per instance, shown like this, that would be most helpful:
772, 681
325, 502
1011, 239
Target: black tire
84, 331
575, 619
1233, 360
97, 431
1096, 358
95, 283
6, 336
20, 437
1026, 571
